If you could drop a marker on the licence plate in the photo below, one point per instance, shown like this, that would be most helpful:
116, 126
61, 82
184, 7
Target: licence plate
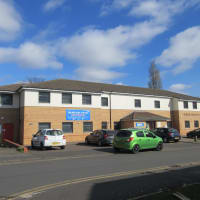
55, 143
176, 137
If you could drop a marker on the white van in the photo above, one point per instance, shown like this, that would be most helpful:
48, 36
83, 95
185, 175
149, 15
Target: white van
48, 138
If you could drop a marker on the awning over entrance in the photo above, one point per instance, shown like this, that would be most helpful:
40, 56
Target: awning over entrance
144, 116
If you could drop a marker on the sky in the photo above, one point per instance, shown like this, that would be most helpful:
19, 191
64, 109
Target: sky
110, 41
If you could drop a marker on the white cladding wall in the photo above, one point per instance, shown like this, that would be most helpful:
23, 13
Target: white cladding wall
147, 103
15, 102
31, 98
190, 106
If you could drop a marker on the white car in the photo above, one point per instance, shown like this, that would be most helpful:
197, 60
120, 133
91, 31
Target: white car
48, 138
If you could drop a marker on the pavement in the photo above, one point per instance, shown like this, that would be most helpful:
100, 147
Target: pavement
92, 172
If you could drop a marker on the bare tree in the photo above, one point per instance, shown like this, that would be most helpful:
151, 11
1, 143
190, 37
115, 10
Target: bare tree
35, 79
155, 81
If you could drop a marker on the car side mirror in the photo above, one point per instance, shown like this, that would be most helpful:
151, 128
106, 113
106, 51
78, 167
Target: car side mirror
34, 135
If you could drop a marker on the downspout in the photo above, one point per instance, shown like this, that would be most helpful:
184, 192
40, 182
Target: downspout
19, 128
110, 110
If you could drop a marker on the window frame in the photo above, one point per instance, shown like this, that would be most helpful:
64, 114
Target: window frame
186, 124
105, 123
139, 105
2, 101
84, 100
86, 130
49, 97
67, 93
195, 123
102, 102
156, 105
184, 104
72, 127
194, 104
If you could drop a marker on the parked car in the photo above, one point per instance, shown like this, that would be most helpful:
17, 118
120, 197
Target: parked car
193, 133
136, 140
168, 134
100, 137
48, 138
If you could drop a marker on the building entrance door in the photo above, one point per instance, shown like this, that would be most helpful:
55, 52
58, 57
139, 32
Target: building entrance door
8, 131
151, 124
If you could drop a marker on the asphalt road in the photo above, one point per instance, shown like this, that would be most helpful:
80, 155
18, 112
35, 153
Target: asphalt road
91, 172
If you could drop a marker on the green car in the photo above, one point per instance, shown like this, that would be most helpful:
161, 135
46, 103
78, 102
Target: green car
136, 140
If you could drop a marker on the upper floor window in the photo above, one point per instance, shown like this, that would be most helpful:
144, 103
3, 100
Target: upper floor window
6, 99
44, 97
194, 105
185, 104
137, 103
104, 101
86, 99
157, 104
67, 98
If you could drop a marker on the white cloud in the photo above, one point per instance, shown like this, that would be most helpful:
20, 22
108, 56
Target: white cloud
179, 87
10, 21
31, 55
53, 4
183, 51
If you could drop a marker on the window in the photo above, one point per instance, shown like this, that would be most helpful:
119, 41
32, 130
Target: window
116, 125
169, 124
67, 127
137, 103
140, 134
196, 124
104, 101
44, 97
187, 124
86, 99
87, 126
6, 99
44, 126
149, 135
185, 104
194, 105
104, 125
66, 98
157, 104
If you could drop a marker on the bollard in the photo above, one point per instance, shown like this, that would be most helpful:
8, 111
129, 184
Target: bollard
195, 138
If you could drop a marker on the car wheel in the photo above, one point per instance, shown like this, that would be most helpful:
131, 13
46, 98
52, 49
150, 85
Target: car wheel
136, 149
100, 143
62, 147
42, 146
116, 150
165, 140
159, 146
32, 146
86, 141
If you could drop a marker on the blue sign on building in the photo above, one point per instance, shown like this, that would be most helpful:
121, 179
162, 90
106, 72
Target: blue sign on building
77, 115
139, 124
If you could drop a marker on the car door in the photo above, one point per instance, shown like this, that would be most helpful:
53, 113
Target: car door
97, 136
150, 141
91, 137
141, 139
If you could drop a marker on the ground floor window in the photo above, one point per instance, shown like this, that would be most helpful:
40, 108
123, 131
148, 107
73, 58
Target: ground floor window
67, 127
187, 124
116, 125
43, 125
196, 124
104, 125
87, 126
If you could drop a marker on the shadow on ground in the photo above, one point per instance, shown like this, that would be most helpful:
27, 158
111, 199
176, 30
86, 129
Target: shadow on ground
143, 184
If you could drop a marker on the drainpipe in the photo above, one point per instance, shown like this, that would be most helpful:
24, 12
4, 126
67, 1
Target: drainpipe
19, 128
110, 110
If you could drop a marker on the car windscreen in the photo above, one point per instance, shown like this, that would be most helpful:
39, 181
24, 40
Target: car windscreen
109, 133
124, 133
54, 132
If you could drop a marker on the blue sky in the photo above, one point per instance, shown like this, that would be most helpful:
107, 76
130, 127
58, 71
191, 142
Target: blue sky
112, 41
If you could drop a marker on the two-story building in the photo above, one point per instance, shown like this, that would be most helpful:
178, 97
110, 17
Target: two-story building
78, 107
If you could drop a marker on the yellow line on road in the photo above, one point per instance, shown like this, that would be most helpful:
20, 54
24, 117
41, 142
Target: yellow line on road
93, 178
16, 162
